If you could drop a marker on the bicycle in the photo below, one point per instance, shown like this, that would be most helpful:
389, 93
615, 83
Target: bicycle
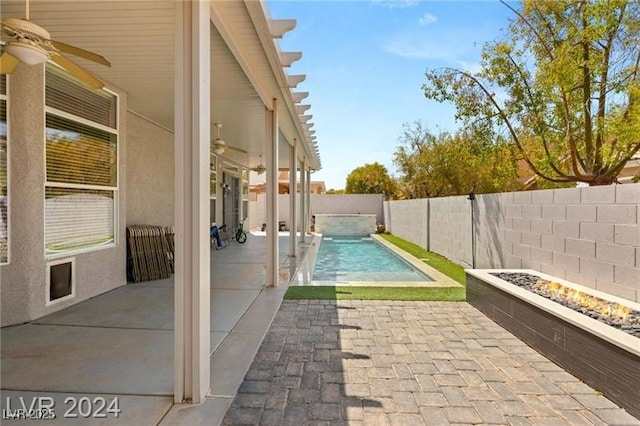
241, 235
219, 236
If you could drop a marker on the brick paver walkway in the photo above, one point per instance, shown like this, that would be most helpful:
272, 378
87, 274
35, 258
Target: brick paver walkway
406, 363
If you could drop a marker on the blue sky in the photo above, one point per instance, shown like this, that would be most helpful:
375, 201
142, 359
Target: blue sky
365, 62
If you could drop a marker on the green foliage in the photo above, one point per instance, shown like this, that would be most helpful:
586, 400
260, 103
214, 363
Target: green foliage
567, 78
442, 264
448, 294
335, 191
371, 179
443, 165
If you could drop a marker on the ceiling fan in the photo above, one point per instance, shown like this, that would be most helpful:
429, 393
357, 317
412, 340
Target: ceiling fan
260, 168
219, 145
31, 44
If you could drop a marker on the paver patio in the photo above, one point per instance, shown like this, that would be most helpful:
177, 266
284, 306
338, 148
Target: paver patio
406, 363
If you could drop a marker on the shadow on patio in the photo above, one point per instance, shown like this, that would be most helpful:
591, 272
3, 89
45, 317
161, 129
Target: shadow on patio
120, 344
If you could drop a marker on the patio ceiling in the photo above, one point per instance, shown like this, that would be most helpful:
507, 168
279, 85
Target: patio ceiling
137, 38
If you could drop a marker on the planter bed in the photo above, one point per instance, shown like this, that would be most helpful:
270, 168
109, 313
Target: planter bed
605, 357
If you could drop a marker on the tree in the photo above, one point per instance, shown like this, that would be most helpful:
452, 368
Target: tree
564, 85
443, 165
370, 179
335, 191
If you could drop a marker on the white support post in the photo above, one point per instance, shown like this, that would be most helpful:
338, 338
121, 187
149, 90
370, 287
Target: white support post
272, 195
307, 209
303, 205
293, 190
219, 191
192, 256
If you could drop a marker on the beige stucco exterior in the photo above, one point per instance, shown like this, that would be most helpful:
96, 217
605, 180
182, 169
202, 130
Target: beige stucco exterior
150, 173
23, 290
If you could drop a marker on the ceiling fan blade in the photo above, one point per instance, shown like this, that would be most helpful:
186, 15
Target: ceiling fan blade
67, 48
78, 72
237, 149
8, 63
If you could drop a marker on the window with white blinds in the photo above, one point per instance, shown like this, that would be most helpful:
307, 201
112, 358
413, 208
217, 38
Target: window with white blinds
4, 174
81, 165
245, 194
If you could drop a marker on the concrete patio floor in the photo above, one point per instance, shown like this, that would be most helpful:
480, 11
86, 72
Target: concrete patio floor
120, 344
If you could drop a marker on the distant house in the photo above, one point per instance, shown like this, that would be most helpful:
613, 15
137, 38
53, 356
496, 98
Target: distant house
631, 171
258, 184
629, 174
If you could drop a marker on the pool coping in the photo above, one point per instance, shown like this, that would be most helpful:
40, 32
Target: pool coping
304, 273
438, 277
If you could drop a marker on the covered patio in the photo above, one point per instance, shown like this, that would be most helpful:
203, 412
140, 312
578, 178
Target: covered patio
178, 71
120, 344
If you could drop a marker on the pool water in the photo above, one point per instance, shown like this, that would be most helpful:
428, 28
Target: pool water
361, 259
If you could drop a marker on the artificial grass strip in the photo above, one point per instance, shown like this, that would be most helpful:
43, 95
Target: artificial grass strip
440, 263
448, 294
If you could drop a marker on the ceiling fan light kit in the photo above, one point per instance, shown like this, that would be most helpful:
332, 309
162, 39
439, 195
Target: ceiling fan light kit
219, 145
260, 168
32, 45
26, 52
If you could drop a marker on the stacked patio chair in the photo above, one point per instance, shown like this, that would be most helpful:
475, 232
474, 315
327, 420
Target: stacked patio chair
170, 234
150, 252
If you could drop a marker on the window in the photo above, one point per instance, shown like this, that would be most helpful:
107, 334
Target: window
4, 174
245, 194
81, 165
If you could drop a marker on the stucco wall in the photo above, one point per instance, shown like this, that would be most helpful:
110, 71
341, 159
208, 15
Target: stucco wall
150, 172
345, 224
590, 236
320, 203
26, 272
23, 291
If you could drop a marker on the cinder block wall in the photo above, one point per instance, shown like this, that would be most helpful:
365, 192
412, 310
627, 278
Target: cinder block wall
590, 236
450, 228
409, 220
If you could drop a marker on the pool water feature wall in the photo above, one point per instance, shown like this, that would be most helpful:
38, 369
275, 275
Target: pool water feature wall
602, 356
345, 224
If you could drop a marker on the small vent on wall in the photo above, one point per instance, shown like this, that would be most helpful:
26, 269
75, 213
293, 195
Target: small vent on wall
60, 280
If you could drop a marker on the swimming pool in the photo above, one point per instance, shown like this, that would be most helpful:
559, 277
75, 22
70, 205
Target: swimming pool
344, 258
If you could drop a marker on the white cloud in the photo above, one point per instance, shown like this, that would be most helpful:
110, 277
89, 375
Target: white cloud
428, 18
451, 45
396, 4
418, 49
470, 67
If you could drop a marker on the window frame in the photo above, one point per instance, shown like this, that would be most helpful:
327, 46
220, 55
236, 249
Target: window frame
244, 197
114, 189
